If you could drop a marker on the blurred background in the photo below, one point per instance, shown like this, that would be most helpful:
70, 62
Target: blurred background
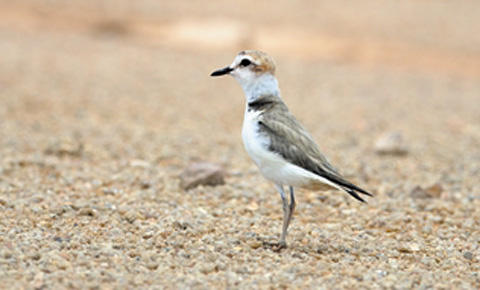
390, 64
393, 64
104, 103
130, 79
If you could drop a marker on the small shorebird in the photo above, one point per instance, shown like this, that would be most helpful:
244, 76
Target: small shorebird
278, 144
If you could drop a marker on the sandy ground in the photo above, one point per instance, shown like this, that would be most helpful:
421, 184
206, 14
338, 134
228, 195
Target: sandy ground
104, 103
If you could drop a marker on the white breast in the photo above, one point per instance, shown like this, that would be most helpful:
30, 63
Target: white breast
272, 165
255, 144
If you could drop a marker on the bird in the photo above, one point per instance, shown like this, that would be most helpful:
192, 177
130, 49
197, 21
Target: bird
278, 144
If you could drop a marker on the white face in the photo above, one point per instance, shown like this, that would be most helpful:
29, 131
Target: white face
243, 70
254, 70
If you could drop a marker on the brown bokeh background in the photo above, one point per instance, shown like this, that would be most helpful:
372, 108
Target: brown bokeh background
104, 103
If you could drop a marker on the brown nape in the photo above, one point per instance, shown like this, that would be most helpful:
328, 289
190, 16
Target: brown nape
265, 67
265, 63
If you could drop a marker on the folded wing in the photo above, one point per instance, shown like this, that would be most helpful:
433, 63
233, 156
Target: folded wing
293, 142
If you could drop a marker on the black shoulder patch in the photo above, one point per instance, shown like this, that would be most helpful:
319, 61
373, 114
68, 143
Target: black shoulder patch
260, 104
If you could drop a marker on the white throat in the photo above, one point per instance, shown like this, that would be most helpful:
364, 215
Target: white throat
258, 86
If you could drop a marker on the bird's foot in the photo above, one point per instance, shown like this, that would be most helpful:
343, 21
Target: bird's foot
275, 246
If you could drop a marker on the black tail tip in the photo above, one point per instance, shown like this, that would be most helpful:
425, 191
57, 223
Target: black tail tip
355, 195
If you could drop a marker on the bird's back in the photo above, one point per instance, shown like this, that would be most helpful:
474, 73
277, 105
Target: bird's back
288, 138
287, 135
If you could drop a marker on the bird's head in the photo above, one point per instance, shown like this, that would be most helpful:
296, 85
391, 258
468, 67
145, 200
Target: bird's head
248, 67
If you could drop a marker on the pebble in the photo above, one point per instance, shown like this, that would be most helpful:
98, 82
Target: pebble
145, 184
414, 247
152, 265
140, 163
87, 211
65, 147
148, 235
62, 265
391, 144
207, 268
110, 191
132, 215
433, 191
34, 256
6, 254
255, 244
202, 173
404, 249
468, 256
427, 230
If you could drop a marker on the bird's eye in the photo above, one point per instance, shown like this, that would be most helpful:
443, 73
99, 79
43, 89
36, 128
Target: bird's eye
245, 62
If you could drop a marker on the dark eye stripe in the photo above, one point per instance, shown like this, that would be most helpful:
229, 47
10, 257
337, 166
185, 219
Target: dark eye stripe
245, 62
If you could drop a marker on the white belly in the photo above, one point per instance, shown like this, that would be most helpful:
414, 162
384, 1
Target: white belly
272, 165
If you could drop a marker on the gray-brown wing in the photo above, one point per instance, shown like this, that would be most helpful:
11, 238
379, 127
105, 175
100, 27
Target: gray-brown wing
293, 142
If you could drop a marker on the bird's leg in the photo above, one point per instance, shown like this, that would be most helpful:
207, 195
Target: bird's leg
291, 206
286, 213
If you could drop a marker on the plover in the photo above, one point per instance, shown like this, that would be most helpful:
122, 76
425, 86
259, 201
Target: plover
279, 145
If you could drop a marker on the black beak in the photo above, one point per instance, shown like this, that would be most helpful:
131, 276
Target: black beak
221, 72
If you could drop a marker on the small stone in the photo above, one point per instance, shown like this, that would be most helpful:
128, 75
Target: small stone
323, 249
404, 249
152, 265
253, 206
132, 216
165, 234
39, 281
255, 244
139, 163
148, 235
207, 268
381, 257
145, 184
433, 191
35, 256
87, 211
220, 246
133, 254
110, 191
238, 249
391, 144
468, 256
414, 247
62, 265
221, 266
65, 147
427, 261
181, 225
202, 173
6, 254
418, 192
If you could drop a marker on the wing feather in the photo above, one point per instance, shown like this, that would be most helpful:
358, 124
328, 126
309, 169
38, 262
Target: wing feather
293, 142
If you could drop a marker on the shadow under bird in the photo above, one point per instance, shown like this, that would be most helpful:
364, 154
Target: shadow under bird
279, 145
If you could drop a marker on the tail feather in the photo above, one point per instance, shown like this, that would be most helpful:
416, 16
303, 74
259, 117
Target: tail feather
352, 189
346, 186
354, 194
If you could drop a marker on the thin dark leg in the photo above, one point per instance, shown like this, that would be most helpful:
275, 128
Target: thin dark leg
286, 213
291, 206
